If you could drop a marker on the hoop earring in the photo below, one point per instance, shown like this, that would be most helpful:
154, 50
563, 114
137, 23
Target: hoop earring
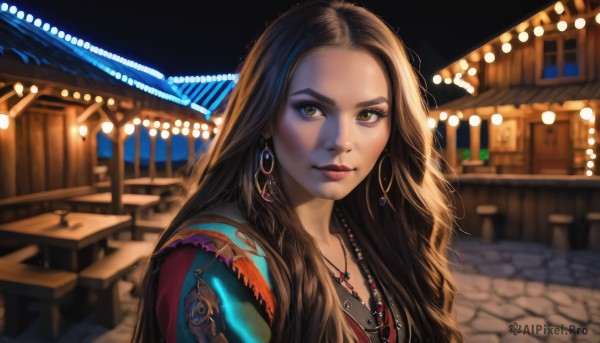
384, 198
266, 164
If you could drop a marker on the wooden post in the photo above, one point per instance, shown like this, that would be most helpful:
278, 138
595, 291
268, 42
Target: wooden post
8, 153
169, 161
451, 146
136, 157
151, 163
191, 150
118, 171
475, 141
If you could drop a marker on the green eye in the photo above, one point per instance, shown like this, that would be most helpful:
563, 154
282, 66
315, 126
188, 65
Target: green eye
310, 110
365, 116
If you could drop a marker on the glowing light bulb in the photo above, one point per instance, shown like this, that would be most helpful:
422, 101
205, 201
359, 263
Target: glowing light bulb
178, 122
523, 36
579, 23
76, 95
474, 120
186, 124
152, 132
431, 122
33, 89
175, 130
166, 125
443, 116
185, 131
538, 31
164, 134
586, 113
548, 117
204, 127
107, 127
506, 47
87, 97
437, 79
447, 80
559, 8
489, 57
196, 126
464, 65
137, 121
472, 71
196, 133
18, 87
146, 123
561, 25
496, 118
110, 101
98, 99
129, 129
64, 93
4, 121
83, 130
156, 124
205, 135
218, 121
453, 120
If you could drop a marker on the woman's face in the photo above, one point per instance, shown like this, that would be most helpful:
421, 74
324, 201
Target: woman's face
335, 124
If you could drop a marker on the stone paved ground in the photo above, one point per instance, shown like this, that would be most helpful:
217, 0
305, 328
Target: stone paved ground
526, 285
500, 284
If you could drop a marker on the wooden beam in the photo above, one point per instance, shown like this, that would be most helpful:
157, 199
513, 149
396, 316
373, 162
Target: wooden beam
136, 157
20, 106
118, 171
10, 92
169, 162
151, 163
580, 6
130, 114
109, 115
88, 112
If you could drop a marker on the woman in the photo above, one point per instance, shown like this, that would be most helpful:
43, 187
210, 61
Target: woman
319, 214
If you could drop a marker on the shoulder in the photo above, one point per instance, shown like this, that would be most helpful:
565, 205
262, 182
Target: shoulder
215, 235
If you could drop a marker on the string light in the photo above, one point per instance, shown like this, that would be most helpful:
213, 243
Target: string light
4, 121
496, 119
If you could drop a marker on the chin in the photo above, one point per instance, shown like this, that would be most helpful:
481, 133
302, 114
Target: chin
332, 193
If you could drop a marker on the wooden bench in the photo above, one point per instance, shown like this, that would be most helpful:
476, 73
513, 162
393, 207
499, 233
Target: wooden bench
143, 226
22, 254
102, 277
19, 282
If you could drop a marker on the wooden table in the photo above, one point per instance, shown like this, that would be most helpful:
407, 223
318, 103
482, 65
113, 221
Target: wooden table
155, 185
72, 247
132, 203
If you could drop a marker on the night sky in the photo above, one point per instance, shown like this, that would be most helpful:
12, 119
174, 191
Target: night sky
179, 37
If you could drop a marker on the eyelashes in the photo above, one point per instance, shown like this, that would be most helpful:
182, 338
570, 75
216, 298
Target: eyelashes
369, 116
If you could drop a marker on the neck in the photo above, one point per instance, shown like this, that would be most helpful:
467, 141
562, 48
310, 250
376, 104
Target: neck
316, 216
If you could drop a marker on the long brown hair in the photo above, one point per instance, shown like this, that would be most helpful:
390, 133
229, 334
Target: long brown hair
405, 241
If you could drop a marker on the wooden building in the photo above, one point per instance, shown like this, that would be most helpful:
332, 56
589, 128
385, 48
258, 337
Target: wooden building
57, 91
538, 86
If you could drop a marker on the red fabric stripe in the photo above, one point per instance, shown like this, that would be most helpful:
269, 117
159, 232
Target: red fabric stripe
172, 274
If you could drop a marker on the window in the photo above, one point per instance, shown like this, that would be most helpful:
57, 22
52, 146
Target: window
561, 58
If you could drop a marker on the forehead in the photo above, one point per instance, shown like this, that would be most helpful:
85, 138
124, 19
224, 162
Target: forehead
338, 71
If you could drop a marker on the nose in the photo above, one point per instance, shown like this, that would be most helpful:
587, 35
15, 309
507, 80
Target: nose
339, 134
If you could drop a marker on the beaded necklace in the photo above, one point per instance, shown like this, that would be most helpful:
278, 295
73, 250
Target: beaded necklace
377, 299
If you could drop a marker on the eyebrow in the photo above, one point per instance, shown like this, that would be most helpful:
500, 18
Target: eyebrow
331, 102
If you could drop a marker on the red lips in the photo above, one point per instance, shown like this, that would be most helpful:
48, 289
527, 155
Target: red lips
335, 167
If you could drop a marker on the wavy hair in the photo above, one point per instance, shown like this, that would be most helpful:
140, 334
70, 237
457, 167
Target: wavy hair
406, 241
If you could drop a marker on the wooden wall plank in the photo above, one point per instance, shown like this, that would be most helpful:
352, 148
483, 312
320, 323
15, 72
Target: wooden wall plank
23, 161
72, 162
55, 151
8, 167
37, 142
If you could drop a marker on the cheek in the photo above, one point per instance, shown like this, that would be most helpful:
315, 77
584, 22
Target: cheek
293, 139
